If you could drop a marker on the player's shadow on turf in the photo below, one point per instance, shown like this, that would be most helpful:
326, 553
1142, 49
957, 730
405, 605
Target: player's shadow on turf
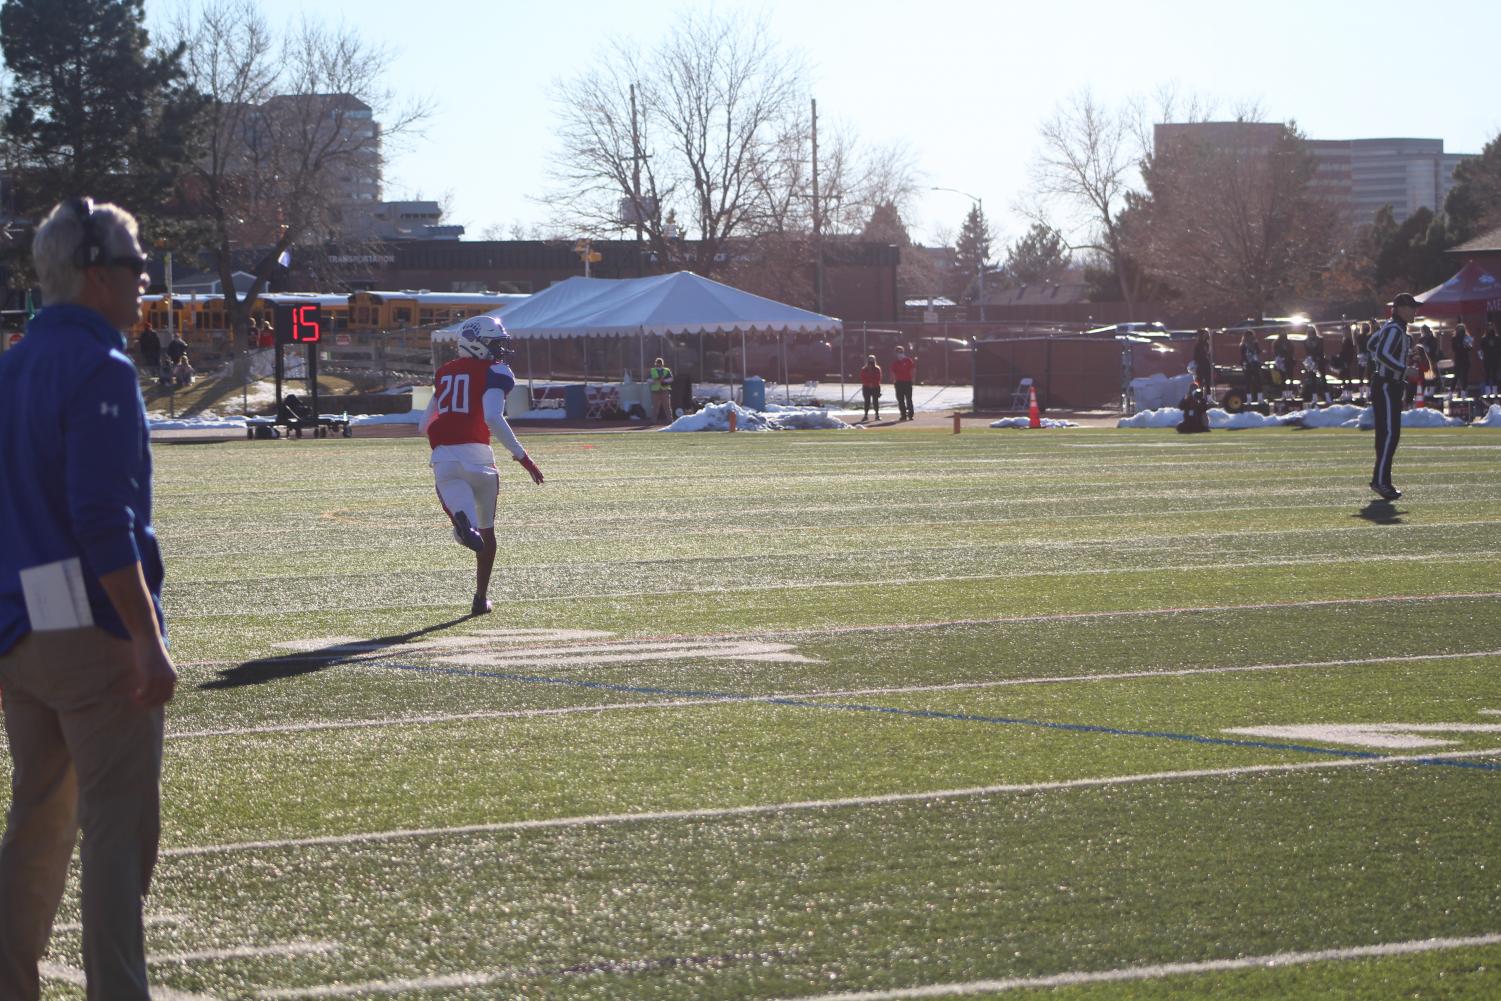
1380, 512
292, 665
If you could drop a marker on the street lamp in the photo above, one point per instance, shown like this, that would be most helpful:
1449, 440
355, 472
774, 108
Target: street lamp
979, 265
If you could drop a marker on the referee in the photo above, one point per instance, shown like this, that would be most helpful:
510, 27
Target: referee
1388, 349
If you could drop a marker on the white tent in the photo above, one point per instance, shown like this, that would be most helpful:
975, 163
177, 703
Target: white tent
661, 306
679, 303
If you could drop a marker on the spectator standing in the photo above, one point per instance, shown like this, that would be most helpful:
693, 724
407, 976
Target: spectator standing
468, 404
1350, 370
1363, 351
1428, 341
870, 387
1203, 363
659, 381
83, 660
1461, 345
149, 349
1317, 364
177, 348
267, 336
903, 368
1250, 360
1282, 362
1390, 374
1490, 359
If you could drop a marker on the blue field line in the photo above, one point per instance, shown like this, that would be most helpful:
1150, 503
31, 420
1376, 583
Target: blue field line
691, 693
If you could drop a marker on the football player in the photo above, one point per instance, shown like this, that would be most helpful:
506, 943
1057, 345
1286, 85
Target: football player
469, 402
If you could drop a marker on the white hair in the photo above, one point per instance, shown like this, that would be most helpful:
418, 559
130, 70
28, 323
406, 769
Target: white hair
54, 249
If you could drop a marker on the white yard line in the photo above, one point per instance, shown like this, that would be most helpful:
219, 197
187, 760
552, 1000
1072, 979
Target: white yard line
152, 919
355, 724
73, 975
1134, 675
687, 532
1257, 606
1161, 970
438, 718
1158, 971
1301, 559
714, 813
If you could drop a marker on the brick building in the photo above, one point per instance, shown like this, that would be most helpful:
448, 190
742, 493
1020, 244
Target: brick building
860, 279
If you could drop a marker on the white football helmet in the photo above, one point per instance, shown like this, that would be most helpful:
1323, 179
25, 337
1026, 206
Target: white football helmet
485, 338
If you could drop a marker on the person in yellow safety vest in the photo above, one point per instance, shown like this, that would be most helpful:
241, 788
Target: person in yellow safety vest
659, 381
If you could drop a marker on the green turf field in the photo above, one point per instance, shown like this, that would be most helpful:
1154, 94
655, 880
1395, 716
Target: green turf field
827, 714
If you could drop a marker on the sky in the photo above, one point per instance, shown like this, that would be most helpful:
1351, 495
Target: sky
963, 85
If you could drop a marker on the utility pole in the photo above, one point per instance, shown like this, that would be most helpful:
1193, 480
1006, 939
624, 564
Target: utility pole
817, 221
636, 182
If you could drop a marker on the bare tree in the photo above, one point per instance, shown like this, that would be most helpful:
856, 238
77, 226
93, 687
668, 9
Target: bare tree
722, 140
1088, 162
295, 133
714, 104
1236, 228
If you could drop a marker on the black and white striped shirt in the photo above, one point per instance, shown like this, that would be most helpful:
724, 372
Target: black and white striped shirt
1388, 348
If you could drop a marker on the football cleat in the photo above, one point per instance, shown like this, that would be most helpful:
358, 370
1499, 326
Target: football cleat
485, 338
466, 535
1386, 492
481, 606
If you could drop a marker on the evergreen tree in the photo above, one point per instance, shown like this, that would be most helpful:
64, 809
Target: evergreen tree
94, 110
885, 225
1410, 257
1037, 257
1474, 203
972, 248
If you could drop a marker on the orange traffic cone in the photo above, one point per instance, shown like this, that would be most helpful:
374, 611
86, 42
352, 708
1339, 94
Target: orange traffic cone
1417, 396
1034, 415
733, 422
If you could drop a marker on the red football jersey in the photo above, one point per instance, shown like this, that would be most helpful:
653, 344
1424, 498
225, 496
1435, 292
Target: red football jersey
458, 395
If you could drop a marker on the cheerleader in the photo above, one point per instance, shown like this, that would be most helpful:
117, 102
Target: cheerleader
1250, 358
1460, 346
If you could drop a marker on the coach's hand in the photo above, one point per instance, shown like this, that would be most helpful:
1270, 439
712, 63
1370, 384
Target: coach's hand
152, 678
530, 467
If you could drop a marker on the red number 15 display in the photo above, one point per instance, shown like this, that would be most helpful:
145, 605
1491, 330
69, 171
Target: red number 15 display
299, 323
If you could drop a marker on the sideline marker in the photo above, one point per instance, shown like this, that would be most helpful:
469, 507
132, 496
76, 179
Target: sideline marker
956, 423
1034, 416
733, 422
1417, 396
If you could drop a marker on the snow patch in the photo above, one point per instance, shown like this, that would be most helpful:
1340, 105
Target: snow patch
1342, 415
1023, 422
1492, 418
716, 417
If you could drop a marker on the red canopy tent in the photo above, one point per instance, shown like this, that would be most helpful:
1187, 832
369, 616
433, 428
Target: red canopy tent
1472, 291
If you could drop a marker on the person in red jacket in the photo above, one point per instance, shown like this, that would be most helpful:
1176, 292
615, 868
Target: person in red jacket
870, 386
902, 369
469, 402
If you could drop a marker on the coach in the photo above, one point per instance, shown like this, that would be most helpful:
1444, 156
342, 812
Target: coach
83, 664
1390, 372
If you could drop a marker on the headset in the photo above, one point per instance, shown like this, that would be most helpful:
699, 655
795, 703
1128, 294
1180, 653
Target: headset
91, 248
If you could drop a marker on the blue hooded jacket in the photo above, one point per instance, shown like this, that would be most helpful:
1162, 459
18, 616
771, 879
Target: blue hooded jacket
75, 469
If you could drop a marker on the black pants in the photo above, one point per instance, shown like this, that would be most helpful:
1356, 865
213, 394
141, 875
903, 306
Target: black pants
1386, 404
904, 398
872, 399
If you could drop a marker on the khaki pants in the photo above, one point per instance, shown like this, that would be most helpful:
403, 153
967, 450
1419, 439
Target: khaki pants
84, 756
661, 403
